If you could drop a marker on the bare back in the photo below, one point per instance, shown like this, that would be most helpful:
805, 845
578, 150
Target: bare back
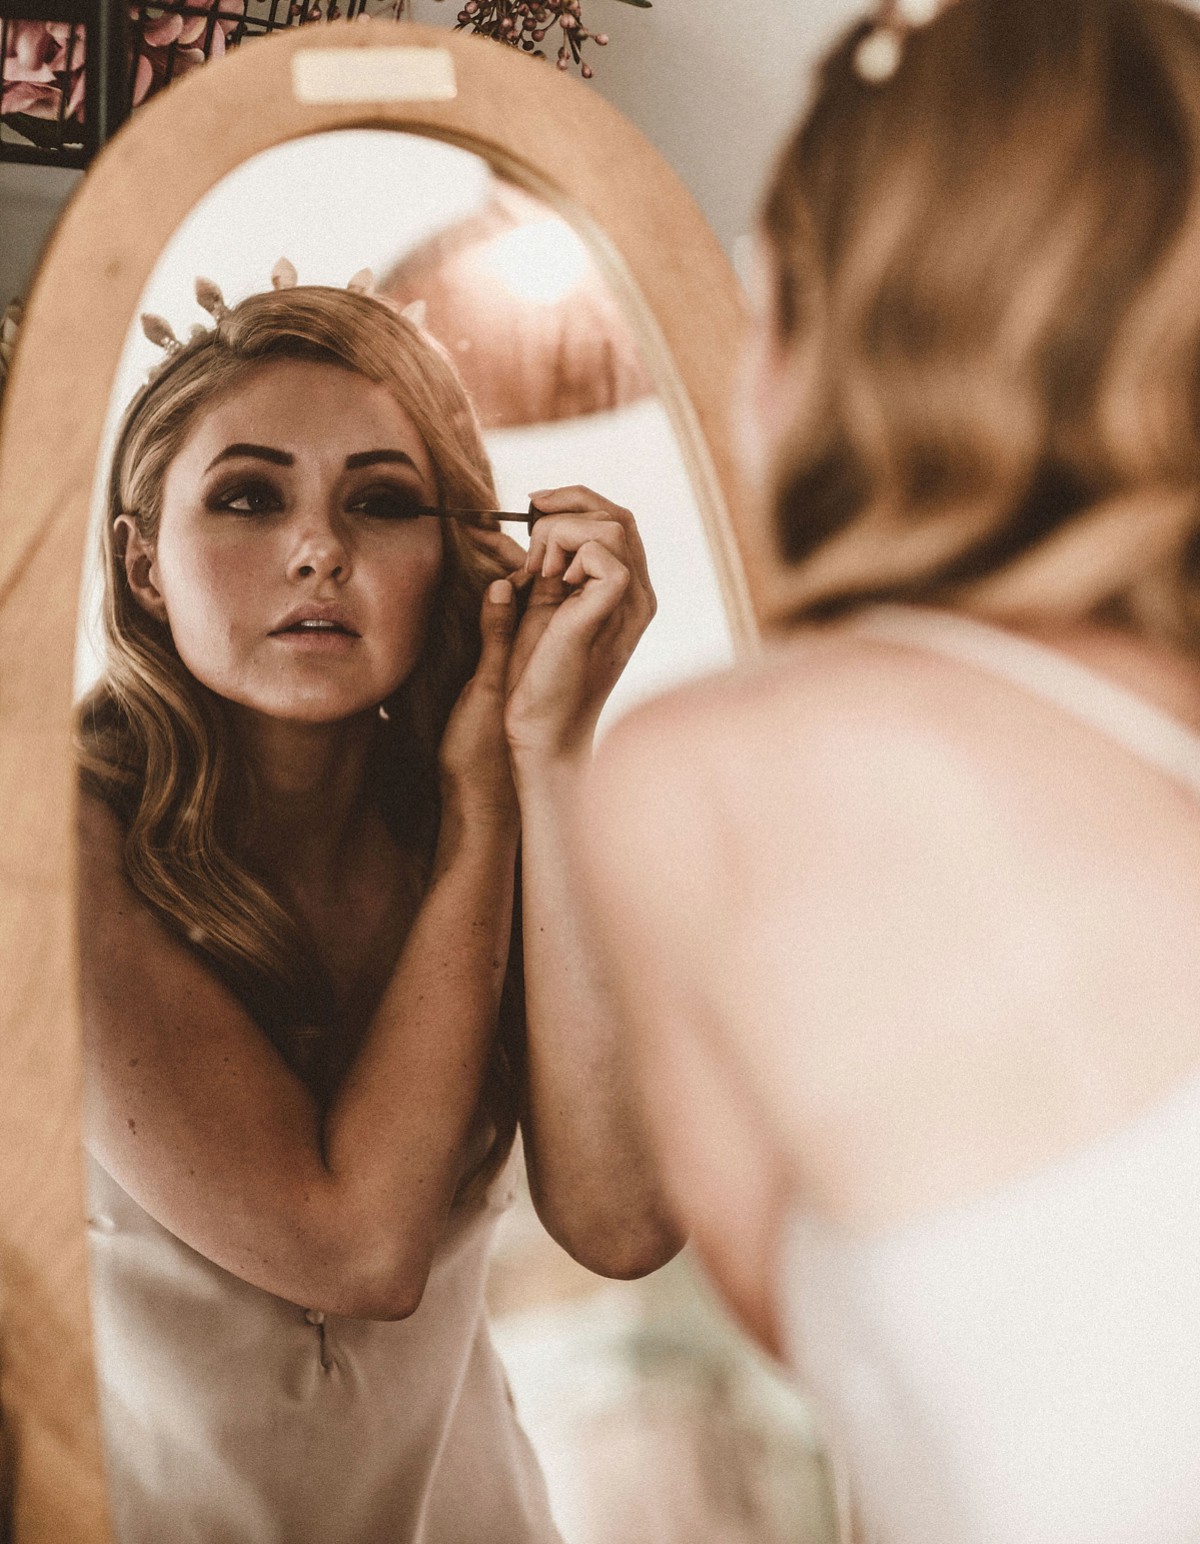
939, 930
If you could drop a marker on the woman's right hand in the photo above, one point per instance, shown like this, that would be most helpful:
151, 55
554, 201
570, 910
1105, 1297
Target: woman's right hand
473, 755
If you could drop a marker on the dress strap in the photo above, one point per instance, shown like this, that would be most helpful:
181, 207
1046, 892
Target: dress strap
1142, 728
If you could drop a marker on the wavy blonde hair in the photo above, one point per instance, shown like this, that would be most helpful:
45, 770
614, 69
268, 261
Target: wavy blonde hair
986, 276
156, 745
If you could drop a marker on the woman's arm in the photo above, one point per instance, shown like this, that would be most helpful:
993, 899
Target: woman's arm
198, 1118
653, 871
593, 1176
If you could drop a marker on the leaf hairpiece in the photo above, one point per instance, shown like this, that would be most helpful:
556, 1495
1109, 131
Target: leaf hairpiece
210, 298
283, 277
160, 333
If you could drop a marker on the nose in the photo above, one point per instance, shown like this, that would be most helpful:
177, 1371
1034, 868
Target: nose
319, 550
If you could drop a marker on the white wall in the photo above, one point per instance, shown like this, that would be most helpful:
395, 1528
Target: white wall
712, 84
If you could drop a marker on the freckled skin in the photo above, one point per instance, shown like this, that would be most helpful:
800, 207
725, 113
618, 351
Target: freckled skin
226, 578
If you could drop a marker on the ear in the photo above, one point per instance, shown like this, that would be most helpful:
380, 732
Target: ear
138, 556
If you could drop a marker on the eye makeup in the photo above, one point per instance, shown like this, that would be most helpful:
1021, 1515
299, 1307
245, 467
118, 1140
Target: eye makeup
387, 501
255, 495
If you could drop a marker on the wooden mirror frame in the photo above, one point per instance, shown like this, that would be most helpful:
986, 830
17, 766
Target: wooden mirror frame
552, 135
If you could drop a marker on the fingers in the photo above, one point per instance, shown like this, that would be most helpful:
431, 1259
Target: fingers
556, 539
497, 625
577, 499
603, 583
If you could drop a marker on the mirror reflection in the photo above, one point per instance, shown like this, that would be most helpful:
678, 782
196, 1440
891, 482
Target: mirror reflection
377, 555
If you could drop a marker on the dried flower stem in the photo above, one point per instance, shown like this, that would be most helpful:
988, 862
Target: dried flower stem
526, 24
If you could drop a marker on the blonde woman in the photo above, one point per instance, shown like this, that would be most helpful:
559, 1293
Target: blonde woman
315, 1008
907, 911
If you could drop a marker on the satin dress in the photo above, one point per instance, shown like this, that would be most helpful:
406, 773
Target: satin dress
231, 1416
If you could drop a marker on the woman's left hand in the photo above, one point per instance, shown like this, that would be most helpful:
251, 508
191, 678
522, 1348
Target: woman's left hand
590, 600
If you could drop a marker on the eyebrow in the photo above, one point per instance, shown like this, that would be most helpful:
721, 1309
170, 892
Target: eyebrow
258, 452
375, 457
284, 458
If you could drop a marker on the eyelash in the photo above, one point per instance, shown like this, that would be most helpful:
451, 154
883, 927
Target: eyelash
225, 498
382, 502
399, 503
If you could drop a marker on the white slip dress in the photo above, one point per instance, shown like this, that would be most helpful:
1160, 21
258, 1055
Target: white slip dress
1023, 1368
231, 1416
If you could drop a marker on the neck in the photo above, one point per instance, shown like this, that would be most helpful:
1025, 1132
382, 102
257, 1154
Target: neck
311, 781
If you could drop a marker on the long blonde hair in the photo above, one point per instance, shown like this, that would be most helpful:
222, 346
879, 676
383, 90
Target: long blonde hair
155, 744
986, 277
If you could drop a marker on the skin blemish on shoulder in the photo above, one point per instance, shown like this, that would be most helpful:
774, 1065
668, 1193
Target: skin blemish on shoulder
133, 1060
132, 1124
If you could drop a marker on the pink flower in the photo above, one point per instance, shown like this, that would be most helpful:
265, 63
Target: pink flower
187, 35
43, 65
40, 64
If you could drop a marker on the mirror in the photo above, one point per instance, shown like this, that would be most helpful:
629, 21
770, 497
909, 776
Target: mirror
512, 293
638, 1400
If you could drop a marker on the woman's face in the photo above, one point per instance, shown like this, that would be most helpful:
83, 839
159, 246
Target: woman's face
288, 565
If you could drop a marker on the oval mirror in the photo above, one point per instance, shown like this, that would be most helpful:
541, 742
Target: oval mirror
595, 341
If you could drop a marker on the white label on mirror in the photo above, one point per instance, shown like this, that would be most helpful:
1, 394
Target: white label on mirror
373, 75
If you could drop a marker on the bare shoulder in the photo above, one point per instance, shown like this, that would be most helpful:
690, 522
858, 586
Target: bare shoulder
98, 832
100, 849
107, 899
809, 708
121, 938
713, 789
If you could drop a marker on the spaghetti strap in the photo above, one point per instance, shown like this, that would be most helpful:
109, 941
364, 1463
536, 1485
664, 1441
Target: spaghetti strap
1142, 728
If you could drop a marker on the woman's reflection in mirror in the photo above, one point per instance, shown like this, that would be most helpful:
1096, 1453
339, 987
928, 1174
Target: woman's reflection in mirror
320, 993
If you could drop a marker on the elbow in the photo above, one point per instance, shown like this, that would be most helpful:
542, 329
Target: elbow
380, 1286
632, 1262
385, 1302
619, 1252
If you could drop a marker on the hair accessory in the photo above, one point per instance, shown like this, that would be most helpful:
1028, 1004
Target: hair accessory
283, 277
210, 298
160, 333
878, 56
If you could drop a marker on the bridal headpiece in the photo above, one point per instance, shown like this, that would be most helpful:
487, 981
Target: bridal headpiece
283, 276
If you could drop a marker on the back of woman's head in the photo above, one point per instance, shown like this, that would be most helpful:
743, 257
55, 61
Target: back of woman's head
986, 278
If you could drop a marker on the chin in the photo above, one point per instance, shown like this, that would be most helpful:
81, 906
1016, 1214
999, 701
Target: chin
305, 696
303, 707
318, 711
